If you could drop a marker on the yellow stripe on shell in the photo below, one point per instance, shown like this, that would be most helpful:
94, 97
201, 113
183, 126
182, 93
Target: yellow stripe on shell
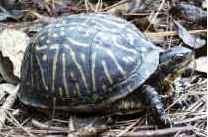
83, 57
93, 71
108, 75
73, 55
109, 52
37, 48
54, 67
64, 74
78, 89
42, 73
74, 42
60, 92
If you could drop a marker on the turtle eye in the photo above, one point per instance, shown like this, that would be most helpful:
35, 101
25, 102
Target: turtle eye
178, 58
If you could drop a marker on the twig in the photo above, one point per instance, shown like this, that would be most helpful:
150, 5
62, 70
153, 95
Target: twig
139, 14
33, 131
159, 132
42, 126
86, 5
115, 5
42, 18
188, 113
190, 119
128, 128
14, 121
200, 132
171, 33
7, 105
155, 16
99, 5
71, 126
17, 124
75, 132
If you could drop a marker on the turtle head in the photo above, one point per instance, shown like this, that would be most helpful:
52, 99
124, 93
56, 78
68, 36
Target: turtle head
174, 60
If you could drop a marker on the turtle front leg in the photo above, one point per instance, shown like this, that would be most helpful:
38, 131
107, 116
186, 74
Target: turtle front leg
153, 100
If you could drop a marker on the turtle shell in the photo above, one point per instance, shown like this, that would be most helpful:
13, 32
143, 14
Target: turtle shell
85, 61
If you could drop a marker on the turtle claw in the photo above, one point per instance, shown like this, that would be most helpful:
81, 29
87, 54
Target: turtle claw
165, 122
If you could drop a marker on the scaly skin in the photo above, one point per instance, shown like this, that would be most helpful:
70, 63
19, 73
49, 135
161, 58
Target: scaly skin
152, 99
149, 99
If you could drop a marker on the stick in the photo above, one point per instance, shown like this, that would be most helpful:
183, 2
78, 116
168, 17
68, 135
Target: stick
191, 119
159, 132
171, 33
7, 105
116, 4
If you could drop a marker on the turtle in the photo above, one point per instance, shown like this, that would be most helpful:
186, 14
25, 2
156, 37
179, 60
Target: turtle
97, 63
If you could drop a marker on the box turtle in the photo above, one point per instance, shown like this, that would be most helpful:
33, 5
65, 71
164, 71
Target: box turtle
97, 63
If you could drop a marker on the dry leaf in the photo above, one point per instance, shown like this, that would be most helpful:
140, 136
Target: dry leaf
200, 64
190, 40
8, 88
12, 45
190, 13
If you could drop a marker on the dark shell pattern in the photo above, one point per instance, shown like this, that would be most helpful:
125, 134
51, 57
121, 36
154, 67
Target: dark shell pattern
85, 59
